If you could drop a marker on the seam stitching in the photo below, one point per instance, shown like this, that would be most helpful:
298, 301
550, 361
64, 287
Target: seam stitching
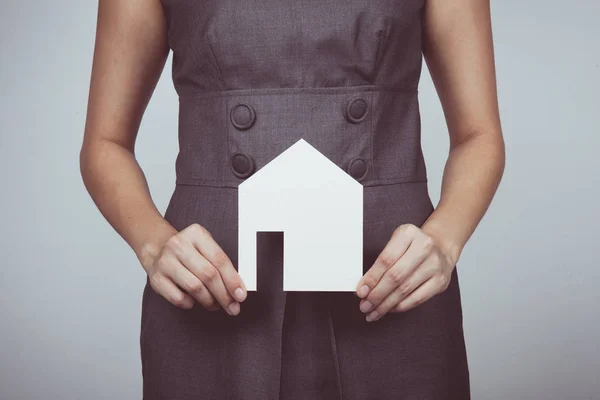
335, 352
234, 185
325, 90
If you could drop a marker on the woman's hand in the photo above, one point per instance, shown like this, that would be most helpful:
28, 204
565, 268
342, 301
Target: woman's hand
130, 53
416, 264
191, 260
412, 268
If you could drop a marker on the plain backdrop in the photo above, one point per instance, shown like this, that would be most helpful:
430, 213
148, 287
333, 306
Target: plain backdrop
70, 287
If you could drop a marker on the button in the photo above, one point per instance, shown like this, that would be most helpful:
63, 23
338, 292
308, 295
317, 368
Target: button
356, 110
242, 165
242, 116
357, 168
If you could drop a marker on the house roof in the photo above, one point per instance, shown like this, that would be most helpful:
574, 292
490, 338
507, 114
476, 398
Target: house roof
301, 162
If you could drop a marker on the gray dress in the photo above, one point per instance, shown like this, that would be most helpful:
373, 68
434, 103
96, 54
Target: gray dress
253, 77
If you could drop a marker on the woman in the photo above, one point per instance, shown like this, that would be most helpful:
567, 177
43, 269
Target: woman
253, 77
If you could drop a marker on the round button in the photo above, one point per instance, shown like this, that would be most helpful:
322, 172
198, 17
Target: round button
356, 110
242, 165
357, 167
242, 116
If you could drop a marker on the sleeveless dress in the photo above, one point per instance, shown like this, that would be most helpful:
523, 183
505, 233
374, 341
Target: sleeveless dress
253, 77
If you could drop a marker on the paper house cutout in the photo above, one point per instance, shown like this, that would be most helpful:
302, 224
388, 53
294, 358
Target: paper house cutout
318, 206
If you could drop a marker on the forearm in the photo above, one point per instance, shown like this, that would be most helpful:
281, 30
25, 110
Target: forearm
119, 189
471, 177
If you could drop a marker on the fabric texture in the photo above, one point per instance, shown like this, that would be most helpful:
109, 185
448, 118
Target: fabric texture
253, 77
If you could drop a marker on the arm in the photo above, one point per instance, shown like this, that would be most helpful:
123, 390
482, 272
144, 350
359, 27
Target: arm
129, 56
458, 50
417, 263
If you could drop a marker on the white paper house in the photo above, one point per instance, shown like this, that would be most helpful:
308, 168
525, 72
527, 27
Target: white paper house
319, 209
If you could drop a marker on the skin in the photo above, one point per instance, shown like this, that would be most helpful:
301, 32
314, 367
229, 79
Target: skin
417, 262
188, 267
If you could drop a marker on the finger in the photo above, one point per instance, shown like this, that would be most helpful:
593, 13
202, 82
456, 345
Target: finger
182, 247
182, 263
210, 249
394, 277
420, 295
190, 283
167, 289
393, 250
211, 278
416, 279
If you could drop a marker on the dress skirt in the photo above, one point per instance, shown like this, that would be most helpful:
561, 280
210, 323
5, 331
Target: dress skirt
320, 346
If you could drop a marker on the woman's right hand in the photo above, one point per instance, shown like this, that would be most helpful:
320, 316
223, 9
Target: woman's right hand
131, 49
192, 266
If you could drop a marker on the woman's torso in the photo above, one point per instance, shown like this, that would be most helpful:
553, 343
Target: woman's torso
253, 77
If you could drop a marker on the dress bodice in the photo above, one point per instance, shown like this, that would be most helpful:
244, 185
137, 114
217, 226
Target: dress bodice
255, 76
232, 44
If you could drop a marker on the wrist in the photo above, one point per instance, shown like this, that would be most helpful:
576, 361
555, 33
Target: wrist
147, 253
151, 247
445, 240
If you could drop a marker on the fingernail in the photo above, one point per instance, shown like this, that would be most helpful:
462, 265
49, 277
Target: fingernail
239, 294
363, 291
373, 316
234, 308
366, 306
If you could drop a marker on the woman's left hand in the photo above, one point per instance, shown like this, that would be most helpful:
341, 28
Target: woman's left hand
412, 268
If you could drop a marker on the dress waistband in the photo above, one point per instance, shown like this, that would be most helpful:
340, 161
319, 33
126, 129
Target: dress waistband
371, 132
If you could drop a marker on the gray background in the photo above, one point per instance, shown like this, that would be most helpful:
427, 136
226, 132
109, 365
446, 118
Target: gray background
70, 287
